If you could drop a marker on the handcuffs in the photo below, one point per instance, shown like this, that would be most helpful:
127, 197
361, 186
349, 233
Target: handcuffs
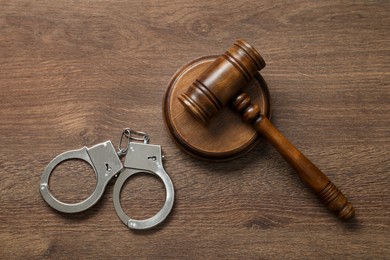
106, 163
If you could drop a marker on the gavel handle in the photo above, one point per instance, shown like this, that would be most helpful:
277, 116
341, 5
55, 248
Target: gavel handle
328, 193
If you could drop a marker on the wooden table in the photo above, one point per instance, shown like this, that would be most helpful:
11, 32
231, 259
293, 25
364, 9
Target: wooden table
75, 73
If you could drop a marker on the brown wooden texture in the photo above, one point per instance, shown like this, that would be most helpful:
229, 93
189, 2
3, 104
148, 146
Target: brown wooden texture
75, 73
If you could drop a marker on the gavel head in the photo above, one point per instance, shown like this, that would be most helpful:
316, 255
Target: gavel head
221, 81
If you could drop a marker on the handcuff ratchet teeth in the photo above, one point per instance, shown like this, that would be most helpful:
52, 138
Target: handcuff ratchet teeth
106, 163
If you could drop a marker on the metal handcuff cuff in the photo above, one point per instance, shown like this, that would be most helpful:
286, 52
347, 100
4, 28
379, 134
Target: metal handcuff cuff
106, 163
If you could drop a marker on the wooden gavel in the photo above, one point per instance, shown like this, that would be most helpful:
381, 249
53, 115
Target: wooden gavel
221, 84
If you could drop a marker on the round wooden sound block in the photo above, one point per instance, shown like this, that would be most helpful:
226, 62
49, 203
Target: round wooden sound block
226, 136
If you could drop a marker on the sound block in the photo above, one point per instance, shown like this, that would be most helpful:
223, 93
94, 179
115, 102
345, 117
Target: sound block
226, 136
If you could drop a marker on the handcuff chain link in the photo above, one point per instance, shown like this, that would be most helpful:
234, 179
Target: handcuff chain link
131, 135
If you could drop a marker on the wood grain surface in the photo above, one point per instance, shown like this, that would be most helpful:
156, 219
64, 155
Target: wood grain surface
75, 73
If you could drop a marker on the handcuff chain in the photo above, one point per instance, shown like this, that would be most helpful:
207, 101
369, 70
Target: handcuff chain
131, 135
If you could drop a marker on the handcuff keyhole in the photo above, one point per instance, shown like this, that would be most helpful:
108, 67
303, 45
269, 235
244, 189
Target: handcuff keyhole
108, 168
153, 158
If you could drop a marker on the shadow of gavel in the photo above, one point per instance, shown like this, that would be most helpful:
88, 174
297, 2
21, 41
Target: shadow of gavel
221, 83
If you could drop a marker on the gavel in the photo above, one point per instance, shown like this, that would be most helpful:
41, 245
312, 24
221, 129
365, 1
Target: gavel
221, 84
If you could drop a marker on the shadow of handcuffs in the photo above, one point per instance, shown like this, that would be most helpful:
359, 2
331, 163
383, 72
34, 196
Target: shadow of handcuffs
106, 163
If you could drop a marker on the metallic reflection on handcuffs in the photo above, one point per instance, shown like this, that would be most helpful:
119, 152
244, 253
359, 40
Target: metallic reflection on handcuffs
106, 163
